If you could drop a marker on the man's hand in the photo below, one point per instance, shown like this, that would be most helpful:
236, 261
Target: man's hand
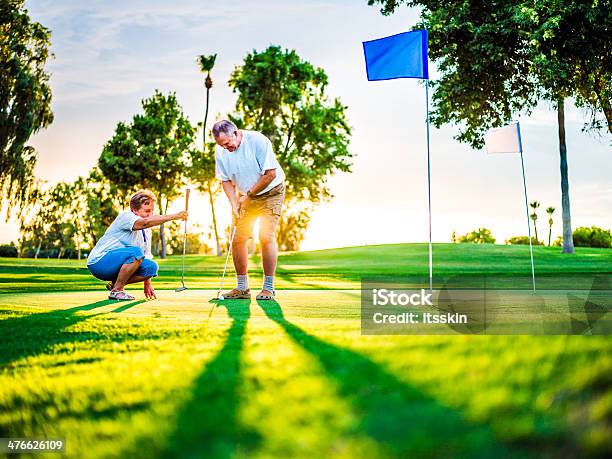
235, 214
243, 201
149, 291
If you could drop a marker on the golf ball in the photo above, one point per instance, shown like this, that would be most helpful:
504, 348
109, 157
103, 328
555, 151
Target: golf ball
221, 297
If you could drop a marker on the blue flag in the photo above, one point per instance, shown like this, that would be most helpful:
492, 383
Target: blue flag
399, 56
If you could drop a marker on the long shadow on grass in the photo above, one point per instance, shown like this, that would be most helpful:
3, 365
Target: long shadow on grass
207, 426
32, 334
404, 421
129, 305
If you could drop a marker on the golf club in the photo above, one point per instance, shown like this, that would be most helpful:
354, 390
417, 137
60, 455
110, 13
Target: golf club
229, 252
180, 289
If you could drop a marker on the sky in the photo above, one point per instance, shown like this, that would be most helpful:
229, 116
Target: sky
109, 55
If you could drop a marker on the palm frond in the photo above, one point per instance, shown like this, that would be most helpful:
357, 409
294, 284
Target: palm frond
206, 62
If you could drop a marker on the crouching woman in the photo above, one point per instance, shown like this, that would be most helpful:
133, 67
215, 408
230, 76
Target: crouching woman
123, 255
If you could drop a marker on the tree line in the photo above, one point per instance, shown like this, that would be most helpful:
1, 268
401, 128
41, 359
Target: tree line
158, 150
278, 94
496, 59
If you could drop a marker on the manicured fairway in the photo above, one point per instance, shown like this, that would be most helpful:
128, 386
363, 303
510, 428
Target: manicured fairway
182, 376
334, 268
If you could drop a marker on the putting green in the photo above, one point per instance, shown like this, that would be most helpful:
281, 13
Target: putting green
183, 377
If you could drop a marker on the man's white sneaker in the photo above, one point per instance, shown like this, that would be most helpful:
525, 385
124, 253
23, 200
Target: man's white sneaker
121, 296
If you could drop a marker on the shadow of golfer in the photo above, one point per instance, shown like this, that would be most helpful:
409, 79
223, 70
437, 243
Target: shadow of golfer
400, 418
129, 305
208, 425
34, 334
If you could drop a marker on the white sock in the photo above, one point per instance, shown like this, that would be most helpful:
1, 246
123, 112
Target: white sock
243, 282
268, 283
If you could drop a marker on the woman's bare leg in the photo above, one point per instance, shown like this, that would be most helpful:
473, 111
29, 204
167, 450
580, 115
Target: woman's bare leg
125, 274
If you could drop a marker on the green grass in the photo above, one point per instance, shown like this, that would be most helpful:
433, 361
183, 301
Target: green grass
331, 269
184, 377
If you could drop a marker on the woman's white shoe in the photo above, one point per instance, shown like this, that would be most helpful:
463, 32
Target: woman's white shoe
120, 295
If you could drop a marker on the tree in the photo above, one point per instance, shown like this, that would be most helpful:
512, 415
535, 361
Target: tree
550, 211
202, 170
534, 216
33, 223
206, 65
482, 60
92, 207
479, 236
571, 46
176, 236
103, 204
25, 100
54, 222
202, 174
69, 216
292, 228
593, 237
523, 240
150, 152
9, 250
499, 58
568, 241
71, 209
284, 97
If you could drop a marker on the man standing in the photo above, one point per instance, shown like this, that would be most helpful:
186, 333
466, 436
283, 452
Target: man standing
253, 181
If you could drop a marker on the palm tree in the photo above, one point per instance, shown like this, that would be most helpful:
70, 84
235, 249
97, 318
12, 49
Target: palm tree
534, 216
550, 211
206, 65
568, 240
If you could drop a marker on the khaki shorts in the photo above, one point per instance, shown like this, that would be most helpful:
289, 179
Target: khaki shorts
267, 206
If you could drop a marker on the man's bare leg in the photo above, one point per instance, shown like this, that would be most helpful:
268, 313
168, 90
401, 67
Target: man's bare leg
269, 255
125, 274
240, 255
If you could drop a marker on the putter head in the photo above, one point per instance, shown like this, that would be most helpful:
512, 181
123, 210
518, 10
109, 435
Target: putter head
180, 289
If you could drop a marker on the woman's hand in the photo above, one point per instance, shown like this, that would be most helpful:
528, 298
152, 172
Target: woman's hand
149, 291
156, 220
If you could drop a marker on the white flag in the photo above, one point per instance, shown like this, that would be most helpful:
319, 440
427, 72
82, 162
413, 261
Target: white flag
505, 139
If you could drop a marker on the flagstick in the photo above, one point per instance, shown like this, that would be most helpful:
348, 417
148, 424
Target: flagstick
429, 187
527, 212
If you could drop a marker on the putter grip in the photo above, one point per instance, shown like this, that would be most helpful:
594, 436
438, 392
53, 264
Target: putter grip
187, 199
